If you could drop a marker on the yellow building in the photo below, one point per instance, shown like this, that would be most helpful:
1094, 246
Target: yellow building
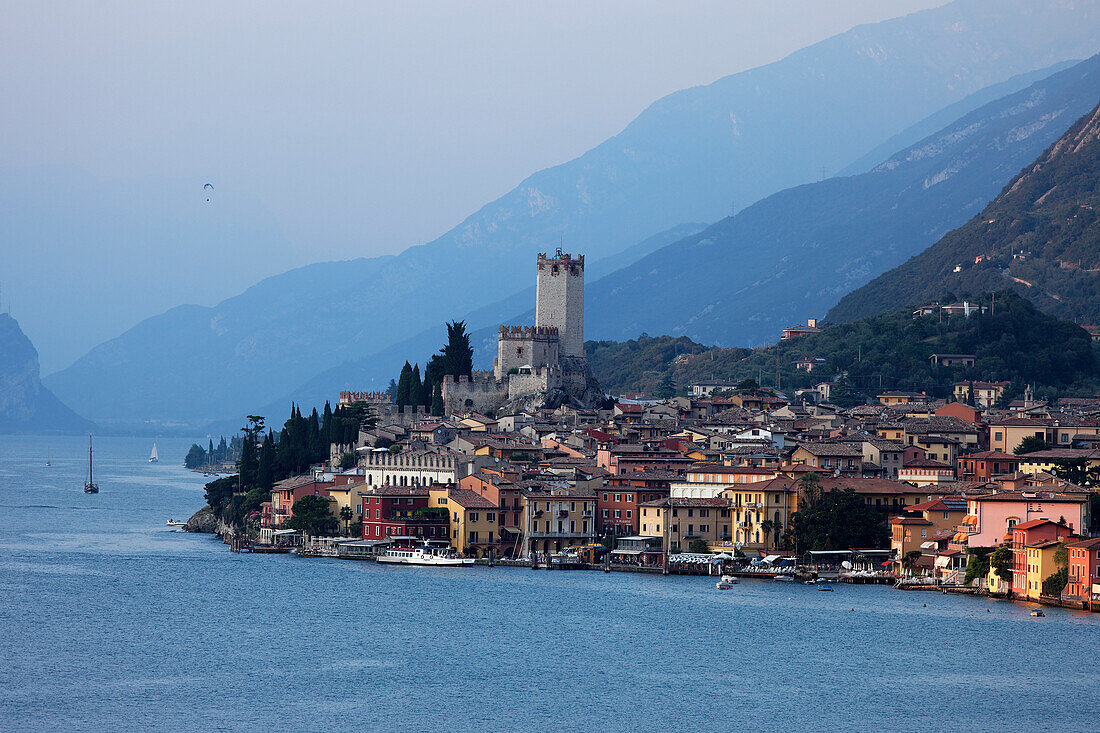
690, 519
350, 495
1040, 566
472, 518
557, 516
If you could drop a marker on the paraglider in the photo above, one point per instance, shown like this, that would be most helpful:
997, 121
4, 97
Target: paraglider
207, 188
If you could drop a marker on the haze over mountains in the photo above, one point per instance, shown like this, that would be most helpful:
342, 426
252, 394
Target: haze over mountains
25, 405
686, 158
1040, 237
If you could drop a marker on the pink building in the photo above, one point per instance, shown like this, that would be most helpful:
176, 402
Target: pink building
990, 518
1028, 534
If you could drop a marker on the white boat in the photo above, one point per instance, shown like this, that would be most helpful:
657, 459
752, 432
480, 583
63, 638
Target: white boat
174, 523
425, 554
723, 585
783, 578
730, 579
153, 457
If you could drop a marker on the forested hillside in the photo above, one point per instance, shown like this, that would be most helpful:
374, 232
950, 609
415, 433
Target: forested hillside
1014, 342
1040, 236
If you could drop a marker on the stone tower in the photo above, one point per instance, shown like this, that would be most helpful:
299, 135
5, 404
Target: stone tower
559, 300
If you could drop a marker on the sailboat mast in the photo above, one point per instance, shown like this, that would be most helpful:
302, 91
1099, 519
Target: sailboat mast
89, 459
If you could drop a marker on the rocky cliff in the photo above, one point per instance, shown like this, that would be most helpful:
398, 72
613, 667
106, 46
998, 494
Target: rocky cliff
25, 405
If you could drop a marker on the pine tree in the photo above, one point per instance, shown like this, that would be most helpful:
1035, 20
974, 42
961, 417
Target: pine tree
402, 397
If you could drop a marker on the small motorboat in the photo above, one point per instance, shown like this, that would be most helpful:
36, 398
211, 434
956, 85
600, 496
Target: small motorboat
783, 578
723, 585
825, 586
174, 523
730, 580
1038, 612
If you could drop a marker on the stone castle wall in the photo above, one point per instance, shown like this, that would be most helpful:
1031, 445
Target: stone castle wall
481, 392
533, 381
520, 346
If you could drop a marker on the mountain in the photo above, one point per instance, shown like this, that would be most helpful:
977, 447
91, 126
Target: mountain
1040, 236
1013, 342
25, 405
690, 156
794, 254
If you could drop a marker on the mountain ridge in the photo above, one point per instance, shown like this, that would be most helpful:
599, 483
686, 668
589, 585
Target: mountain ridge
689, 156
1040, 236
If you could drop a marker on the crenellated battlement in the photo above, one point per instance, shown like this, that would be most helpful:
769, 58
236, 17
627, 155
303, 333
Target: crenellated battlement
527, 333
562, 259
347, 397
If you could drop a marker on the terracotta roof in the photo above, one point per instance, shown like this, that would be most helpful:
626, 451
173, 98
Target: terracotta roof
469, 499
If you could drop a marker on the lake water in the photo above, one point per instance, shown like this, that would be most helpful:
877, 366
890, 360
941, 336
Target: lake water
110, 622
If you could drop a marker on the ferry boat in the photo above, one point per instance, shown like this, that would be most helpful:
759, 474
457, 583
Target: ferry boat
425, 554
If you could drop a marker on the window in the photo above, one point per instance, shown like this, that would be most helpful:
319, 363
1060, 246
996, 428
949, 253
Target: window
630, 497
618, 497
997, 435
946, 515
923, 533
628, 514
691, 529
703, 528
617, 514
605, 497
490, 516
605, 514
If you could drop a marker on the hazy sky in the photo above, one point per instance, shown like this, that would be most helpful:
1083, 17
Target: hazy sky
360, 127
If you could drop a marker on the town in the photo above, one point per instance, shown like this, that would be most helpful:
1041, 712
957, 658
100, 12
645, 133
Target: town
532, 465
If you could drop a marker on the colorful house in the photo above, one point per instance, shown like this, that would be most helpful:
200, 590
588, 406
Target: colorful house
1033, 546
1084, 572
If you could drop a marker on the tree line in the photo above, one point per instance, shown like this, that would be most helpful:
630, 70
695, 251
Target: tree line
456, 359
267, 457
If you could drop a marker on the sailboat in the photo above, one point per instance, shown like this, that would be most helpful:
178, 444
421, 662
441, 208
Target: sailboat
153, 458
47, 457
90, 486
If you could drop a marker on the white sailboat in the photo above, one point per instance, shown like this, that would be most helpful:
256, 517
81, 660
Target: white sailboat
153, 458
47, 457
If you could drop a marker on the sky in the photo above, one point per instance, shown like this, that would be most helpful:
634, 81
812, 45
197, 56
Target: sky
329, 130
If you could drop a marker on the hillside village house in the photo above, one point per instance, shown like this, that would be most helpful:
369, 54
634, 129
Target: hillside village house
795, 331
985, 394
935, 525
926, 472
401, 511
708, 480
984, 465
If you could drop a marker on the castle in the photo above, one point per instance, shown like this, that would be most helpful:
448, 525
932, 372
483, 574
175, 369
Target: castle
544, 363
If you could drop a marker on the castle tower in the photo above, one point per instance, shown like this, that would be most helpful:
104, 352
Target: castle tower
559, 300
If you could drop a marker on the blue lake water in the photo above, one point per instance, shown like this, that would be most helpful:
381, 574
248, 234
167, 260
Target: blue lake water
108, 621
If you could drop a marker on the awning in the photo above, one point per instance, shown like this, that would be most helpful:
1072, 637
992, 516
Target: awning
928, 545
281, 532
942, 562
970, 519
960, 537
513, 530
627, 552
771, 558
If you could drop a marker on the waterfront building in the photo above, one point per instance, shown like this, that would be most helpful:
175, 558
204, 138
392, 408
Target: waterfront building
1084, 572
474, 528
992, 517
283, 495
618, 503
401, 511
557, 516
505, 494
1033, 534
685, 520
1040, 565
935, 524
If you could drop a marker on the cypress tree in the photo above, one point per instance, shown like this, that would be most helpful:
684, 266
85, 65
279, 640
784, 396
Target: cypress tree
433, 377
415, 387
402, 397
458, 357
327, 428
315, 449
265, 472
437, 400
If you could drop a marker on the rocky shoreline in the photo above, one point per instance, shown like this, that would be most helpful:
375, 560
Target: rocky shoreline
205, 521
